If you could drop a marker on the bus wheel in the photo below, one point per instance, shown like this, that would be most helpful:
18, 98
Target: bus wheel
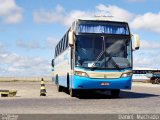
115, 93
72, 92
157, 81
59, 88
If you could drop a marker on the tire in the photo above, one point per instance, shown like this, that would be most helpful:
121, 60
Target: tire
157, 81
115, 93
72, 92
68, 81
56, 80
152, 81
59, 88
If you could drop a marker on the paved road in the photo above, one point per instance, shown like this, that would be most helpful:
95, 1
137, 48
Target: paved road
143, 98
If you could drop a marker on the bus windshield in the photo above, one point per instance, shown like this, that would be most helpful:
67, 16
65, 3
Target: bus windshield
103, 52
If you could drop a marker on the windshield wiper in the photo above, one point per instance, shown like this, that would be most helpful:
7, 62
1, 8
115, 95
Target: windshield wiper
97, 59
113, 62
100, 55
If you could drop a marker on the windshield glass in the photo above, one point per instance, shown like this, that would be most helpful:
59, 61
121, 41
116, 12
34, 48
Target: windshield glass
103, 51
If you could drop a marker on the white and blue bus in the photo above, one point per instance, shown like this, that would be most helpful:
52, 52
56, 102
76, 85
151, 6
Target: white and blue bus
95, 54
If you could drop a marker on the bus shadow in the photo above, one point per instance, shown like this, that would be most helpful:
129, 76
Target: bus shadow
123, 95
132, 95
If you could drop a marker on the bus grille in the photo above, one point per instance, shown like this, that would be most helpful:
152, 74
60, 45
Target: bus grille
105, 75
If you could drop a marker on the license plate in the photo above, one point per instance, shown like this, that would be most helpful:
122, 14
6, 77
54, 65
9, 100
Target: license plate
104, 83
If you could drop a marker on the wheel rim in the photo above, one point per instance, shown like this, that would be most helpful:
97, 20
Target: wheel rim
70, 92
158, 81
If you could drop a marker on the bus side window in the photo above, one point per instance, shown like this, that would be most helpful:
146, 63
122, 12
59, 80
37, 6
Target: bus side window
62, 44
66, 41
58, 48
55, 53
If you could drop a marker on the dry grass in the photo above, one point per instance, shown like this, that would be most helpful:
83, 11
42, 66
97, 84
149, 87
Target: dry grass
24, 79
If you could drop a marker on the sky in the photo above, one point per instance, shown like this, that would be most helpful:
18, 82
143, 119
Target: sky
30, 29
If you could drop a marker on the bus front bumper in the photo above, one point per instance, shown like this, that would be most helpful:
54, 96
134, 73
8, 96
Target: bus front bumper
104, 84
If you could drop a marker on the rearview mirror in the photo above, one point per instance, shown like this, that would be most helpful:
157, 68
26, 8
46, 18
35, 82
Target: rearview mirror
136, 42
71, 37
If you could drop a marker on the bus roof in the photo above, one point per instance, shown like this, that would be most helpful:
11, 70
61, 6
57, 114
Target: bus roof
95, 19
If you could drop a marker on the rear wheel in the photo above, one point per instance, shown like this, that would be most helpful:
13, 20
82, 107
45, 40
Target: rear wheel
59, 88
115, 93
56, 80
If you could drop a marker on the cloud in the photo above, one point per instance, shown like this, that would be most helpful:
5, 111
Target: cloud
147, 56
8, 58
14, 18
44, 16
149, 21
117, 12
145, 44
10, 12
147, 59
28, 44
51, 42
1, 46
73, 15
24, 63
13, 64
59, 15
136, 0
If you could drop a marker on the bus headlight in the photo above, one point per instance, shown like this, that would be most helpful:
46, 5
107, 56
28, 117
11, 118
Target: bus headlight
126, 74
80, 73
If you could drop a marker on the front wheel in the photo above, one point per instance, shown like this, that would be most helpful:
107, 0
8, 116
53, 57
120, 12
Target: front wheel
157, 81
72, 92
115, 93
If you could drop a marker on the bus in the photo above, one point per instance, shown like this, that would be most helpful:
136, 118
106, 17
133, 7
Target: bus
95, 54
